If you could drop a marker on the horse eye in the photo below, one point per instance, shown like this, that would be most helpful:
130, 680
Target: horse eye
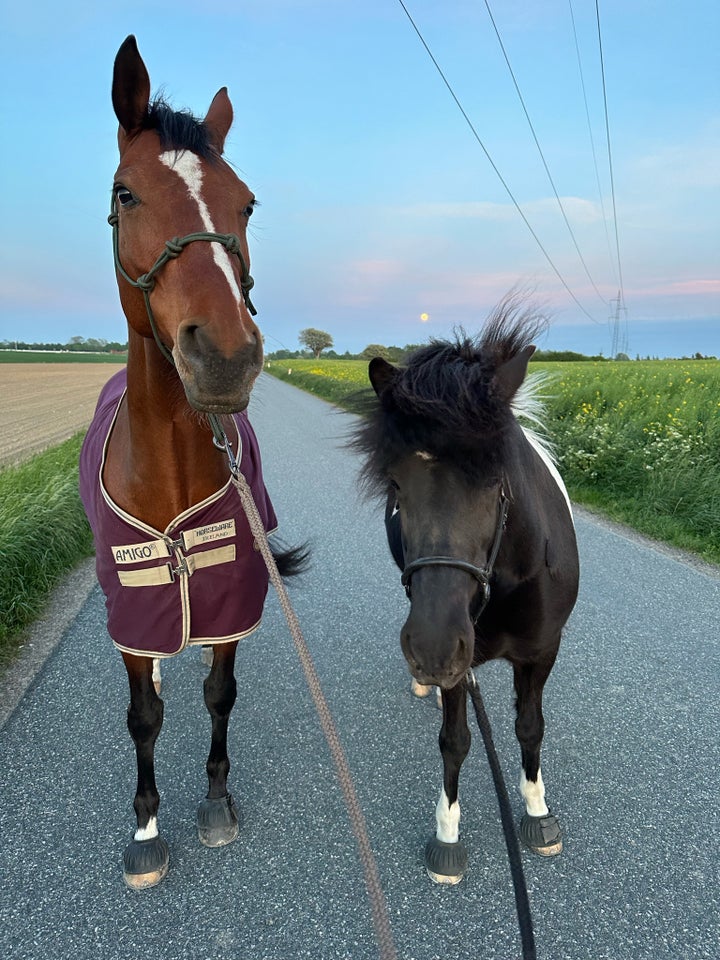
249, 209
123, 196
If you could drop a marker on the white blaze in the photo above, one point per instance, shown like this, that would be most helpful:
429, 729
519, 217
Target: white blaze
187, 166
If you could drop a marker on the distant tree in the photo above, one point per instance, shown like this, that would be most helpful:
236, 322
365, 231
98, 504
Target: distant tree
315, 340
375, 350
561, 356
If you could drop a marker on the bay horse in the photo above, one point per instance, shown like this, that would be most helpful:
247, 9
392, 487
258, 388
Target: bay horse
174, 553
479, 522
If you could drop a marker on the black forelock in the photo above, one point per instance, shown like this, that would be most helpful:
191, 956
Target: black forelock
179, 129
444, 399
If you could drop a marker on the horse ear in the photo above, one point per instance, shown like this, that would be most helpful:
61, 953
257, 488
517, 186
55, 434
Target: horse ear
381, 374
511, 374
219, 119
130, 88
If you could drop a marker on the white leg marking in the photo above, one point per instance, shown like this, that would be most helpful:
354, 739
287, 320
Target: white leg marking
448, 819
534, 795
156, 677
187, 166
148, 832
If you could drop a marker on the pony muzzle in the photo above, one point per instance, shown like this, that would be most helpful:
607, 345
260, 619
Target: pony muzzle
438, 654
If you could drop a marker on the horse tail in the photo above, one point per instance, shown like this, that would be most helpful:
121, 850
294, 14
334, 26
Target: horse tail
291, 561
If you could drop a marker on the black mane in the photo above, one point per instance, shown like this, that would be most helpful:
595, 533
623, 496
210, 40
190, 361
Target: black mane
444, 399
179, 129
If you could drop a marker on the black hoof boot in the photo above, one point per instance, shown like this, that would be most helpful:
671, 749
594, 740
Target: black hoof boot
145, 863
541, 834
445, 862
217, 821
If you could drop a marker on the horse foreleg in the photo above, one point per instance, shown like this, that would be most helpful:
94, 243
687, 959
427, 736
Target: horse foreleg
445, 855
146, 858
217, 814
539, 828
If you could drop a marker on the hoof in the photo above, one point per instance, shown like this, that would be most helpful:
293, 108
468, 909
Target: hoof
217, 821
145, 863
541, 834
445, 862
419, 689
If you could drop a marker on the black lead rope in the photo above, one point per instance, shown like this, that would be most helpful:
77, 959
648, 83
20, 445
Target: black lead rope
522, 902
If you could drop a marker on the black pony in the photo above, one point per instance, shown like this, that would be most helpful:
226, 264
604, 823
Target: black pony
479, 522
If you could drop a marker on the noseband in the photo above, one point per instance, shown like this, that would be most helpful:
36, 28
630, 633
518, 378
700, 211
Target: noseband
481, 574
173, 249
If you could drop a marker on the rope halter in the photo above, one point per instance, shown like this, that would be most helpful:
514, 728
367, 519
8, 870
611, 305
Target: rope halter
173, 249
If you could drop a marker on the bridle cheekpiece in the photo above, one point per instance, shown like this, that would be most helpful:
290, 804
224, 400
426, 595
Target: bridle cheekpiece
481, 574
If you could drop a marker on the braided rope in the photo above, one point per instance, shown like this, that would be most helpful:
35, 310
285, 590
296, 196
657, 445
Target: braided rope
381, 920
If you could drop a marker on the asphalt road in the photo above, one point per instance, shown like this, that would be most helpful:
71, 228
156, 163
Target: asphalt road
630, 762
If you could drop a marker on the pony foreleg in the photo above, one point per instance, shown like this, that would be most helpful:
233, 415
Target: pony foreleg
445, 855
217, 814
539, 828
146, 858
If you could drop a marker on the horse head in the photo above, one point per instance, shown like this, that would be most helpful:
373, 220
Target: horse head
180, 214
445, 420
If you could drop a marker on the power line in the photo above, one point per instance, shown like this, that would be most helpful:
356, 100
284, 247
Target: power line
592, 139
610, 163
492, 163
542, 155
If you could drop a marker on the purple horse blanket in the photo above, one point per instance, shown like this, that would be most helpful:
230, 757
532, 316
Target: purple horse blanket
201, 580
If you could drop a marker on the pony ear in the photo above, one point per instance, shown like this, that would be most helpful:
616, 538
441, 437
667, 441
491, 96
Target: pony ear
381, 374
219, 119
130, 88
511, 374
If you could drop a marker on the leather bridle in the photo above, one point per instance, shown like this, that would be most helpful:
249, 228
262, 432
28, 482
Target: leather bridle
481, 574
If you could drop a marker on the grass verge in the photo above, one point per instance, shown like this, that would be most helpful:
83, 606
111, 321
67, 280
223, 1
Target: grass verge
637, 441
43, 534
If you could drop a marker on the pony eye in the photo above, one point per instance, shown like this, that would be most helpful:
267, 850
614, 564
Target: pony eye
123, 196
249, 209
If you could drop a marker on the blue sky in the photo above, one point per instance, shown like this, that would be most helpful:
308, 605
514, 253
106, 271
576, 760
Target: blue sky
378, 206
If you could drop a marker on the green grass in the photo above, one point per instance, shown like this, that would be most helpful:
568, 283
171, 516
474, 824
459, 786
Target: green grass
639, 441
51, 356
43, 534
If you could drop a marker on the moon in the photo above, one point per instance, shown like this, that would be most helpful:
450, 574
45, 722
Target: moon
424, 317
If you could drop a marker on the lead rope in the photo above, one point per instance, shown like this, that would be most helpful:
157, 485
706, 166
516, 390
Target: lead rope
381, 921
522, 902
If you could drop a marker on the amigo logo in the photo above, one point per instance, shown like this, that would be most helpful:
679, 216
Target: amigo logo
137, 552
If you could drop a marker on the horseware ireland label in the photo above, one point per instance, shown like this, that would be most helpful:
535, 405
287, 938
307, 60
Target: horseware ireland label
137, 552
214, 531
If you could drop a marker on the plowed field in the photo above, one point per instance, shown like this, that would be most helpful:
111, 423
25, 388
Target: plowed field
45, 403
